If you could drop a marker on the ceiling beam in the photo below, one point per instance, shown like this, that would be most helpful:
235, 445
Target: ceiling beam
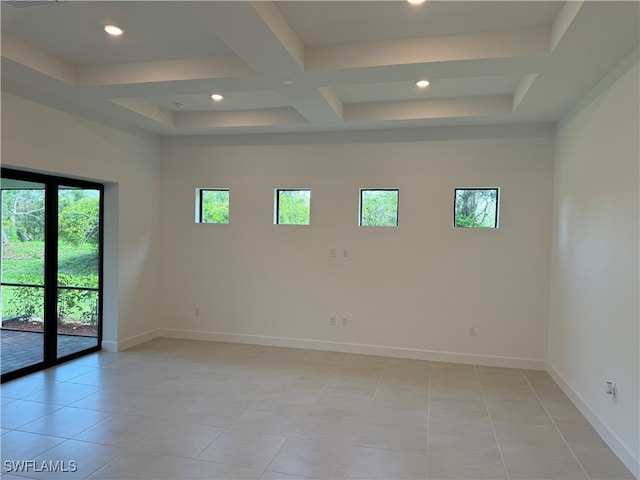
424, 50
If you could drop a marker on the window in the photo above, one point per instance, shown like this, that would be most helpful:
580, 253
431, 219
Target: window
379, 208
212, 206
476, 208
293, 207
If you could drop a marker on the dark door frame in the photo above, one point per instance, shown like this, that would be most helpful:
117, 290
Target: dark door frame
52, 183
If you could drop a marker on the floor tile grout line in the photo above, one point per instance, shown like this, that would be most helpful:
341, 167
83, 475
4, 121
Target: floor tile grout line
373, 397
555, 425
495, 436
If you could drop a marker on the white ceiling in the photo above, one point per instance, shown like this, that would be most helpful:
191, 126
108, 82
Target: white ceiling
353, 63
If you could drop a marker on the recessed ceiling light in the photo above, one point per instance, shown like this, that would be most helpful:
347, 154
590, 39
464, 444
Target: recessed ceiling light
216, 97
422, 83
288, 82
114, 30
416, 2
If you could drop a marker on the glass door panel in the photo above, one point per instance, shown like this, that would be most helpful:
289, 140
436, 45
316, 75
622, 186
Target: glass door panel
22, 295
78, 298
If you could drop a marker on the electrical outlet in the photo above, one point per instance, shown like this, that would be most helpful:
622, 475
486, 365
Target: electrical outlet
611, 389
472, 332
345, 252
345, 321
333, 253
332, 320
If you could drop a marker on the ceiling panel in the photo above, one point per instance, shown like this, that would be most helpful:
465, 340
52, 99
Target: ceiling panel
319, 23
73, 31
300, 66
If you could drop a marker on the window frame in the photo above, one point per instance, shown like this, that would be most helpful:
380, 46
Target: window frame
496, 223
362, 190
52, 186
200, 203
276, 217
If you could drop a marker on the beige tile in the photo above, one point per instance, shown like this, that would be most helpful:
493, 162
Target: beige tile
21, 412
545, 463
537, 376
136, 464
340, 399
470, 382
600, 462
535, 435
179, 439
243, 449
122, 430
268, 475
66, 371
206, 414
202, 470
164, 402
402, 400
393, 439
18, 445
369, 463
344, 432
563, 411
579, 431
466, 423
548, 391
63, 394
66, 422
464, 444
458, 467
88, 457
393, 387
452, 368
508, 388
266, 422
412, 420
337, 414
311, 458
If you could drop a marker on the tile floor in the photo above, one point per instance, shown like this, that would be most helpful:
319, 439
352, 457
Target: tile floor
176, 409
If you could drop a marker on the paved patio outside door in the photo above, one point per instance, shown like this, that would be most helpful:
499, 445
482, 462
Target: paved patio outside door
20, 349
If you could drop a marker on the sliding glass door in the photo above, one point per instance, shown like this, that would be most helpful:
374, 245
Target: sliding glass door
78, 295
23, 259
51, 270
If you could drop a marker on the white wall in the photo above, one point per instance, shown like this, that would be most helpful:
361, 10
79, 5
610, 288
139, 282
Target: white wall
594, 314
411, 290
43, 139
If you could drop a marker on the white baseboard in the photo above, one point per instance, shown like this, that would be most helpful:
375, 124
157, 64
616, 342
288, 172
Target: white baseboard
357, 348
111, 346
610, 438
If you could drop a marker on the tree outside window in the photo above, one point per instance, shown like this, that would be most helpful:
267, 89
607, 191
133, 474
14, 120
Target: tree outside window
476, 208
214, 206
379, 208
293, 207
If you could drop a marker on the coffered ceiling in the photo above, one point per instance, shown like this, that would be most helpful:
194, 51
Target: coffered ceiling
312, 66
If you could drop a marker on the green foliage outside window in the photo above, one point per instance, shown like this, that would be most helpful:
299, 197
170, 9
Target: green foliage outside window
476, 208
215, 206
79, 221
23, 213
76, 304
294, 207
379, 208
